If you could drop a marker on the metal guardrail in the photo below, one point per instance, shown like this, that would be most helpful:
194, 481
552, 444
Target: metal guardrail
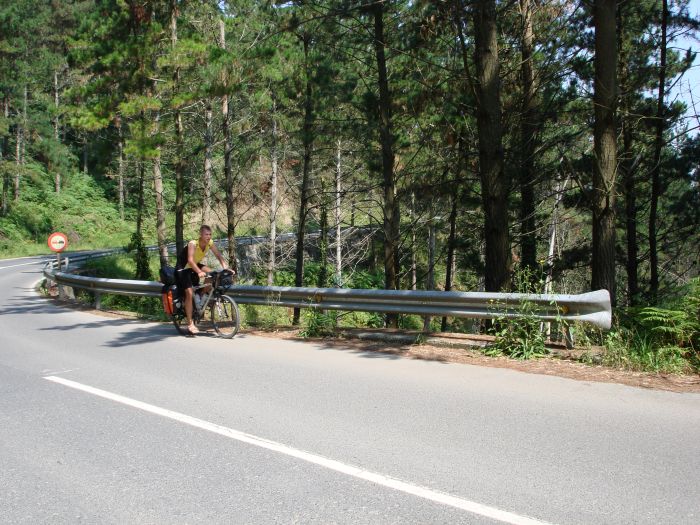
593, 307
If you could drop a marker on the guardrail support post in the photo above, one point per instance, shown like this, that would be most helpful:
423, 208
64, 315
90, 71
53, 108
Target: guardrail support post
568, 336
98, 301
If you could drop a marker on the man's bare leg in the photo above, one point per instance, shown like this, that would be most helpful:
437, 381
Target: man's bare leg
188, 311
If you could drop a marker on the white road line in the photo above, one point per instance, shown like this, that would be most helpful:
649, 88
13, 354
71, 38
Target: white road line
357, 472
23, 264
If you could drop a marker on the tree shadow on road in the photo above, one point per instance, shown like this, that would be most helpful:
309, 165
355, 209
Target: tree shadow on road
362, 347
133, 332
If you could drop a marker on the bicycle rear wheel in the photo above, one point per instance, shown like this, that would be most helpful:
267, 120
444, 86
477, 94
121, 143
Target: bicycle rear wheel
180, 322
225, 317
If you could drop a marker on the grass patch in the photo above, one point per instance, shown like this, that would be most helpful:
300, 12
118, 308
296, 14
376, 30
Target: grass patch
662, 338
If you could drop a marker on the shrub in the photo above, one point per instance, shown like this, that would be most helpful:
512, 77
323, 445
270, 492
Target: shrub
266, 317
659, 338
522, 337
318, 323
633, 350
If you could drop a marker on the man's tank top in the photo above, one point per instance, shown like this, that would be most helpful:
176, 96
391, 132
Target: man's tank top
198, 254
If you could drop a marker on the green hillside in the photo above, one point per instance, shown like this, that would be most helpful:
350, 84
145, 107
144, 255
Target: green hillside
82, 211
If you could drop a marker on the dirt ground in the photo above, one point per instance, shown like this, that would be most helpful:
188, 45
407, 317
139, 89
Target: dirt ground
561, 365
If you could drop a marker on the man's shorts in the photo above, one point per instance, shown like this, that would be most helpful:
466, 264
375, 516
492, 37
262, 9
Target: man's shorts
186, 278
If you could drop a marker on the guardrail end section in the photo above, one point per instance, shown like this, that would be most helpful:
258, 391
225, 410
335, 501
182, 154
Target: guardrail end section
600, 300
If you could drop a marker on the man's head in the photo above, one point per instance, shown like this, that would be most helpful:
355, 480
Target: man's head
204, 233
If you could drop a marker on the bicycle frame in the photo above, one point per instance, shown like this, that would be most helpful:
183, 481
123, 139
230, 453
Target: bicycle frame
213, 299
216, 291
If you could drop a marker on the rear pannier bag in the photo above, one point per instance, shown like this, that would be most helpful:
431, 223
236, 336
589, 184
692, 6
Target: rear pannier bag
167, 298
167, 275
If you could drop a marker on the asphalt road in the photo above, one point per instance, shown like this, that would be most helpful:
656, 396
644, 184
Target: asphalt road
119, 421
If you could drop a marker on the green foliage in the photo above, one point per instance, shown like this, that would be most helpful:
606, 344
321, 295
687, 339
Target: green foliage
669, 327
635, 350
679, 323
410, 322
659, 339
317, 323
521, 337
113, 266
360, 279
145, 307
143, 271
81, 211
265, 317
360, 320
363, 279
122, 266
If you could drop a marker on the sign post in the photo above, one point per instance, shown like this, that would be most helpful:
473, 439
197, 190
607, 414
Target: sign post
57, 243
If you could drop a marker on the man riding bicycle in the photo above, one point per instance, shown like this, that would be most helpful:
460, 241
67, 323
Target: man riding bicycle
189, 269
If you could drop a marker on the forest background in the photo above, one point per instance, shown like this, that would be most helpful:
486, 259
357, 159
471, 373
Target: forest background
528, 145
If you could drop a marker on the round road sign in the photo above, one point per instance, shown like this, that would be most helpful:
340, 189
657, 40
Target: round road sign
58, 242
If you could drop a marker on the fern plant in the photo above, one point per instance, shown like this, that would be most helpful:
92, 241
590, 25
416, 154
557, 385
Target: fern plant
669, 327
679, 323
659, 338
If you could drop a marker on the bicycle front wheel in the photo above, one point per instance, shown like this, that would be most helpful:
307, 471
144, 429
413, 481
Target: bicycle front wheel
225, 317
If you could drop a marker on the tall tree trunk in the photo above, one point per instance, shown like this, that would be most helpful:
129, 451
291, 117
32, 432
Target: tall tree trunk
120, 166
25, 123
323, 240
352, 209
21, 131
413, 274
656, 169
549, 266
632, 263
160, 208
386, 139
273, 203
142, 267
338, 240
528, 130
57, 174
180, 154
494, 183
307, 142
627, 164
141, 202
451, 242
549, 278
85, 154
604, 138
18, 162
208, 155
430, 281
228, 171
5, 153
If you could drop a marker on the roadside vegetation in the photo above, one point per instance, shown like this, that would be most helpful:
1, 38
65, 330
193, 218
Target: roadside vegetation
474, 138
662, 339
82, 211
